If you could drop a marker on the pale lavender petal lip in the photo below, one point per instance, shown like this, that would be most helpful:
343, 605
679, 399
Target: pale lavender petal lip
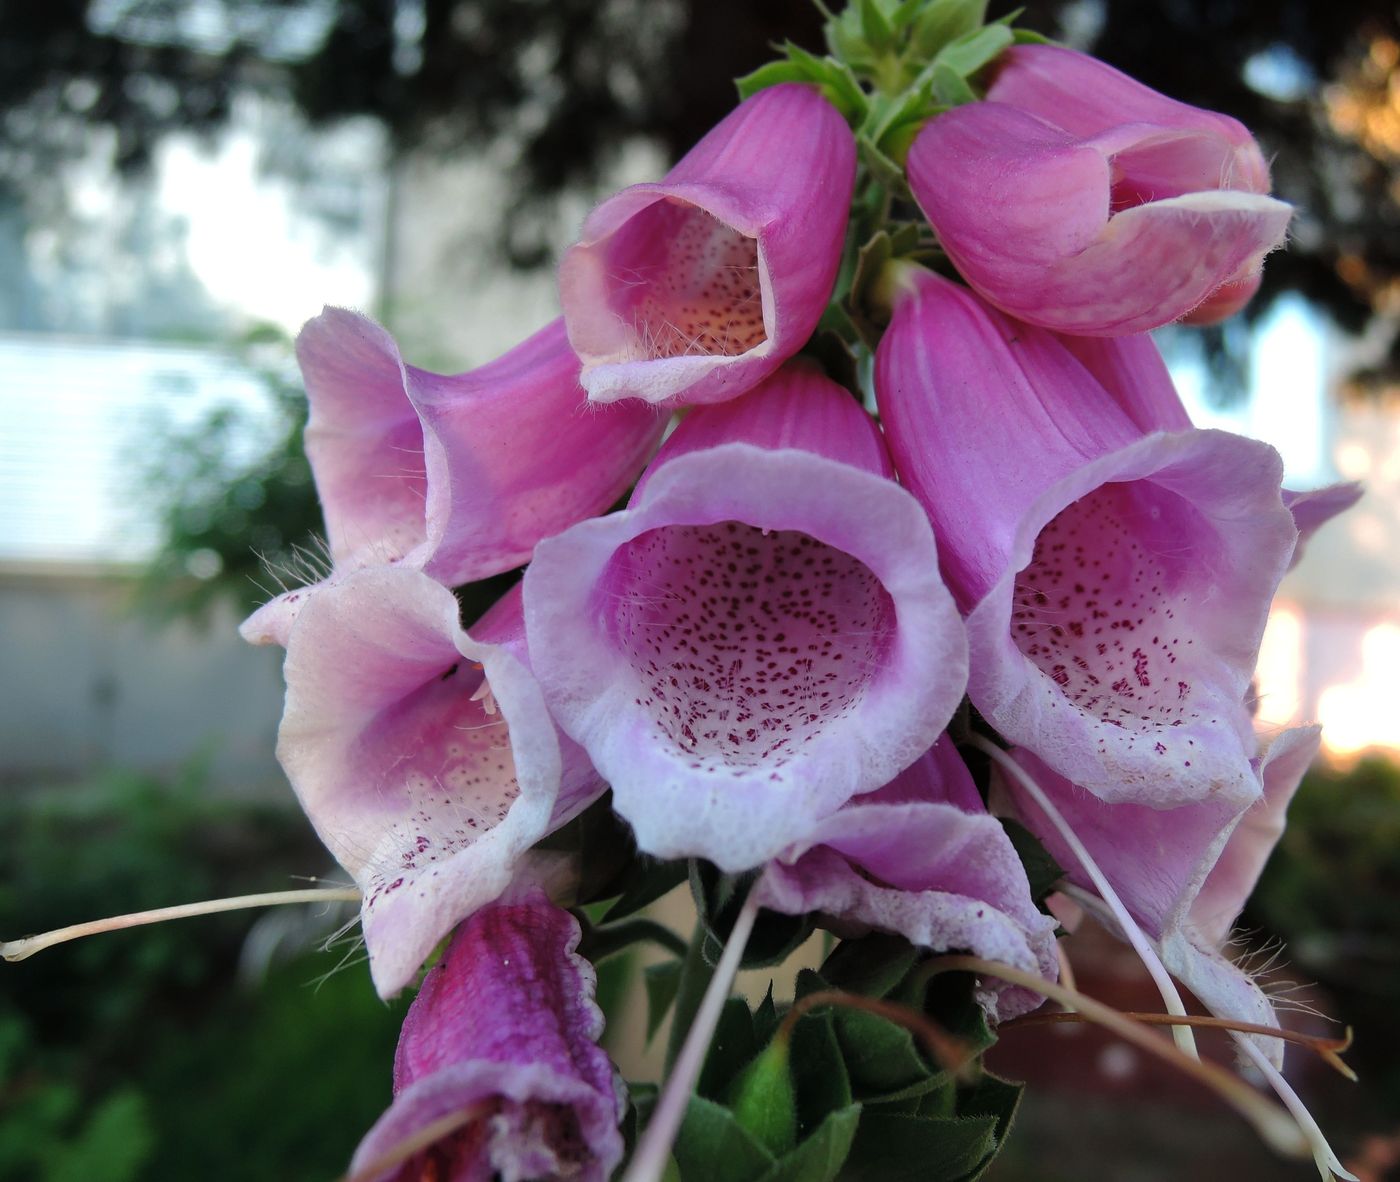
695, 289
363, 439
1316, 507
424, 757
760, 635
1115, 581
506, 1023
921, 857
1078, 199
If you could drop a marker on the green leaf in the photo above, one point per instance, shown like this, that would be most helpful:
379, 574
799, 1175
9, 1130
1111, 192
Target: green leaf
820, 1157
763, 1100
875, 26
882, 168
1042, 870
819, 1073
943, 21
765, 1018
732, 1045
712, 1145
645, 882
996, 1098
872, 965
881, 1057
949, 87
969, 54
662, 980
891, 1147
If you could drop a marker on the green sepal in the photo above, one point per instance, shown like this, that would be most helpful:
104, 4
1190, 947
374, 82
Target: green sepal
893, 1147
949, 87
819, 1073
712, 1144
996, 1098
970, 53
944, 21
838, 84
872, 965
771, 74
876, 29
645, 881
763, 1100
731, 1046
820, 1157
662, 981
718, 898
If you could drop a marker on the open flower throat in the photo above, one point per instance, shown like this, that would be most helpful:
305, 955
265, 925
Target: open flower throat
746, 644
686, 283
1105, 608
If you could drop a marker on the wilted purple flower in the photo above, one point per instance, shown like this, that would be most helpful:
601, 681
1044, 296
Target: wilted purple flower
761, 634
424, 756
458, 476
498, 1065
1115, 582
922, 857
695, 289
1183, 873
1078, 199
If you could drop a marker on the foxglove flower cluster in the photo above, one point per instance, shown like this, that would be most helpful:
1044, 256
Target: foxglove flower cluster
819, 588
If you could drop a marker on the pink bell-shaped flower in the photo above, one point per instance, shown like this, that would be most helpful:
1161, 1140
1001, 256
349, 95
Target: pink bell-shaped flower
498, 1072
1115, 582
423, 755
759, 636
695, 289
457, 476
1078, 199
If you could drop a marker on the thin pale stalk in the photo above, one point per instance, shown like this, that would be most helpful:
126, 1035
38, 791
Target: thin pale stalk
1325, 1048
1273, 1124
27, 946
1327, 1163
1181, 1035
654, 1147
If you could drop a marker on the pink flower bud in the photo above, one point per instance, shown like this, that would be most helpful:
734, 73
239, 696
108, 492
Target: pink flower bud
500, 1052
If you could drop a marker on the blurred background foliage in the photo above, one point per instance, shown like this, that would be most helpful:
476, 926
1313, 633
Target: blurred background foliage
140, 1053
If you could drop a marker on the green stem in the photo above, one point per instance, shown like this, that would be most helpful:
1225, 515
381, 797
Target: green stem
695, 977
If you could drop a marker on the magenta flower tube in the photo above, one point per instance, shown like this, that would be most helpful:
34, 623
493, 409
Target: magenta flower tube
1078, 199
694, 289
759, 636
500, 1047
1115, 583
424, 756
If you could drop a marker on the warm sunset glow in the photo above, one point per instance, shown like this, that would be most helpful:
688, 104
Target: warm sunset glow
1279, 674
1365, 713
